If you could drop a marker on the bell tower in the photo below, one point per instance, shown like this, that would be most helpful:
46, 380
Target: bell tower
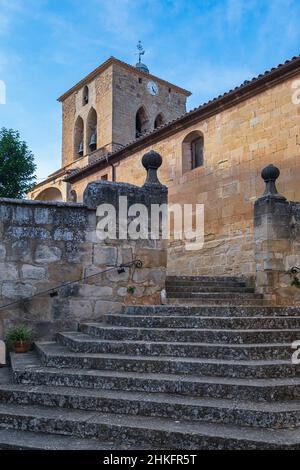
114, 105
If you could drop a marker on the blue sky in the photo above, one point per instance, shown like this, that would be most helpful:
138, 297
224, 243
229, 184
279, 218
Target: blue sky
206, 46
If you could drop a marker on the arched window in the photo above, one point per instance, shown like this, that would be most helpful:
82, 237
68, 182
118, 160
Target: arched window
78, 137
159, 121
141, 122
85, 95
192, 151
91, 131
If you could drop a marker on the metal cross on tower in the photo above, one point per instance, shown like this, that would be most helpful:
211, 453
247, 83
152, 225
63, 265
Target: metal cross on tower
141, 50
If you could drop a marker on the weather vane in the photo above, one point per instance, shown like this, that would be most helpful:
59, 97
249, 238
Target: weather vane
141, 51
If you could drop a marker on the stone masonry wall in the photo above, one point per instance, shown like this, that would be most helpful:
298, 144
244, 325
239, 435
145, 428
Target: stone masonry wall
43, 245
277, 243
238, 143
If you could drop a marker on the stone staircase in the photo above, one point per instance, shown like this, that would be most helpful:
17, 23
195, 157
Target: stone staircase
160, 377
211, 291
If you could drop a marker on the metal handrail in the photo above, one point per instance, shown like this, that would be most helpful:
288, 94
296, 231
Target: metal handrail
53, 292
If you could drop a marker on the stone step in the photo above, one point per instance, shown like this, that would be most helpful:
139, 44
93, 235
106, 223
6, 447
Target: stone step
207, 279
78, 342
213, 311
192, 321
213, 285
171, 288
185, 336
60, 356
30, 372
218, 302
263, 415
214, 295
138, 430
11, 439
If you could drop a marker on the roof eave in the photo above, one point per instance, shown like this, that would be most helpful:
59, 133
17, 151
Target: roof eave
113, 60
245, 91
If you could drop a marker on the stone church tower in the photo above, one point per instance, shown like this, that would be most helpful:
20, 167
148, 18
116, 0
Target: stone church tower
113, 106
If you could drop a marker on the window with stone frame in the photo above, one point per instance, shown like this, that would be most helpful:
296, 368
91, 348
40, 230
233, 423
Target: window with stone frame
141, 122
159, 121
85, 95
192, 151
78, 138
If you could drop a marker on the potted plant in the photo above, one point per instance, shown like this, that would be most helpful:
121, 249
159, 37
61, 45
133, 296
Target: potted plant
20, 338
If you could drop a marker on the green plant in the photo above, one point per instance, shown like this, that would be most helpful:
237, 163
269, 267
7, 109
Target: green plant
295, 282
131, 289
19, 333
17, 167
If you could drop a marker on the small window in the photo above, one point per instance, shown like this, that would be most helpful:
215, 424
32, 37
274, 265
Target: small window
197, 152
78, 138
192, 151
141, 122
159, 120
140, 80
104, 177
170, 90
85, 95
91, 131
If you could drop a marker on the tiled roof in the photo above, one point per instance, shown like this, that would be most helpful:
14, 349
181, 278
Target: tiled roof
239, 93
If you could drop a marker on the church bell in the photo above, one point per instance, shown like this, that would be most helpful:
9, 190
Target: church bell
93, 141
80, 149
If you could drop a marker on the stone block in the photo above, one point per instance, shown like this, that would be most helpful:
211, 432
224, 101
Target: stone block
122, 291
47, 254
17, 290
43, 216
105, 255
81, 309
33, 272
20, 251
8, 272
98, 292
153, 258
102, 307
65, 272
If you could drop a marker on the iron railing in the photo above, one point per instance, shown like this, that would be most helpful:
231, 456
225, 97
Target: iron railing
53, 292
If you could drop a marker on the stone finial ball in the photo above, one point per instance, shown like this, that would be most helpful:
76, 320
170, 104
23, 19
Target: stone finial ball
270, 173
152, 160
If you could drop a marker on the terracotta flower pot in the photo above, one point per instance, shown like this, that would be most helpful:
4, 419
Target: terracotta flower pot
21, 346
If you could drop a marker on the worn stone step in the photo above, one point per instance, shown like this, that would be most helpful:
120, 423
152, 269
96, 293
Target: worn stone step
264, 415
217, 302
192, 321
213, 311
185, 336
79, 342
138, 430
11, 439
209, 279
59, 356
29, 371
214, 295
191, 282
171, 288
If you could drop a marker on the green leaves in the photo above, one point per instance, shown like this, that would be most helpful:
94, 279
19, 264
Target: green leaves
19, 333
17, 165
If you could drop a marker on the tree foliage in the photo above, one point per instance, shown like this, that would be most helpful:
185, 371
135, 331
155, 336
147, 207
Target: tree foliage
17, 167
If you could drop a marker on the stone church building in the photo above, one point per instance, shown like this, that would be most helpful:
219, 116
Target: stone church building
212, 155
140, 343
